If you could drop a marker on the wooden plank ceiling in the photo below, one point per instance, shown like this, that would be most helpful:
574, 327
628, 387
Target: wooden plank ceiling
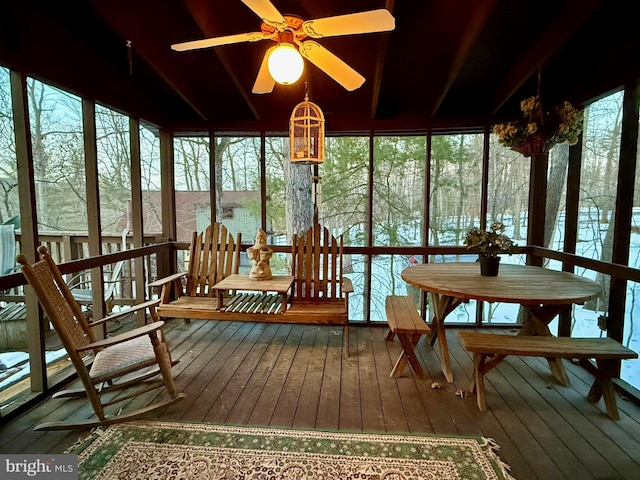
447, 64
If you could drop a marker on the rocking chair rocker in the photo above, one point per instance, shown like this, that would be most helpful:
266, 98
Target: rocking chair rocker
143, 349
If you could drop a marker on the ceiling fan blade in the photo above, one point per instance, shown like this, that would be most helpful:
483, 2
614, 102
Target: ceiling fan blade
353, 23
264, 81
331, 65
267, 12
217, 41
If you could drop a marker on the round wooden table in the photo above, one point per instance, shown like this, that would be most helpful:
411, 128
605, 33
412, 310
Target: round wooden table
543, 292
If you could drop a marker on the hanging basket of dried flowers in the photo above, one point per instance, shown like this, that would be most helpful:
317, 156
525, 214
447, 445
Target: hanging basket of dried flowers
539, 131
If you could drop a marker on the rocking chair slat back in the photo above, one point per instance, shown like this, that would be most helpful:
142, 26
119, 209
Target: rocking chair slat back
59, 304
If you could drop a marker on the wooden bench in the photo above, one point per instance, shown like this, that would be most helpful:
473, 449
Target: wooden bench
405, 323
490, 349
319, 292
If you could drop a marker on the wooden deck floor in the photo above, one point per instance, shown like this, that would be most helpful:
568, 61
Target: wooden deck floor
294, 376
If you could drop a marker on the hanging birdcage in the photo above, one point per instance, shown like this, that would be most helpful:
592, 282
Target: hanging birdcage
306, 134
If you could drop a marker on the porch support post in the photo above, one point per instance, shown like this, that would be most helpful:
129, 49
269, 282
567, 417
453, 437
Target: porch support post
93, 204
537, 204
624, 209
28, 225
136, 218
167, 262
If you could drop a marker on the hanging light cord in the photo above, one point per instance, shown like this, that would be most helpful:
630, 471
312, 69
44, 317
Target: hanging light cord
538, 96
130, 57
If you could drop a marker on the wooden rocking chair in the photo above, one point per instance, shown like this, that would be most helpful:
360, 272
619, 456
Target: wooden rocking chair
143, 350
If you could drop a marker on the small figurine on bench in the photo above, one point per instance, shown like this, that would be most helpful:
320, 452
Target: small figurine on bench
259, 255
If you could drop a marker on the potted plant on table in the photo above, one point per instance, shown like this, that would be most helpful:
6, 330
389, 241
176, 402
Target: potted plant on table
489, 244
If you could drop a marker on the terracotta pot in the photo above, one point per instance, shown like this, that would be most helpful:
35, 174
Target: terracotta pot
489, 266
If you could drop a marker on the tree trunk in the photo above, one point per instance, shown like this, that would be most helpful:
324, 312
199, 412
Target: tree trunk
39, 154
602, 302
555, 187
461, 189
298, 201
435, 205
607, 206
221, 144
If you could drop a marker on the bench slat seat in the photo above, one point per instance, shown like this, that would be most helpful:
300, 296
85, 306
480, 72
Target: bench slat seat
537, 346
490, 349
213, 255
405, 322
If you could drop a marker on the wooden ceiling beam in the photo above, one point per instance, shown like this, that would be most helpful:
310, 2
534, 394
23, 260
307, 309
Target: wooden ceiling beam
125, 22
478, 13
380, 62
210, 26
36, 51
574, 14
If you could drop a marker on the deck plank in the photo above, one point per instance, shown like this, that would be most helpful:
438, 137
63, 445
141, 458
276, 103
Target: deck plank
350, 399
239, 379
328, 416
226, 364
370, 397
385, 355
417, 415
294, 376
262, 392
259, 380
309, 400
288, 401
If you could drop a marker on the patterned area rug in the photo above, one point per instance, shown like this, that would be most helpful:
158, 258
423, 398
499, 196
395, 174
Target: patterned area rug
159, 450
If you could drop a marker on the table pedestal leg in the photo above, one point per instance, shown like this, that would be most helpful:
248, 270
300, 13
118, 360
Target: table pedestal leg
539, 318
443, 305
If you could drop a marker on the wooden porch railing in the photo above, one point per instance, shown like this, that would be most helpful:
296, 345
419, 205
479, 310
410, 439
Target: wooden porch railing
73, 249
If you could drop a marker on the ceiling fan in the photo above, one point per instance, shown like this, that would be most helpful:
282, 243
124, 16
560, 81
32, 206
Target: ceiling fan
290, 32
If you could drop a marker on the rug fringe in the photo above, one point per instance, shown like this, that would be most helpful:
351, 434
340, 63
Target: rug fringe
492, 449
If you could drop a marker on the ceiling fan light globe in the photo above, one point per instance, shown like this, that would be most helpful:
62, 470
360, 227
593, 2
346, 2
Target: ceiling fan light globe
285, 64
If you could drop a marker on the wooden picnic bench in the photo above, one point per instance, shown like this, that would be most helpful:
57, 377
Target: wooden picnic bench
490, 349
405, 323
212, 289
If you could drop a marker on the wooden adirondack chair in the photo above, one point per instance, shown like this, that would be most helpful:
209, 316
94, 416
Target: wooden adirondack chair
320, 291
213, 255
117, 362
